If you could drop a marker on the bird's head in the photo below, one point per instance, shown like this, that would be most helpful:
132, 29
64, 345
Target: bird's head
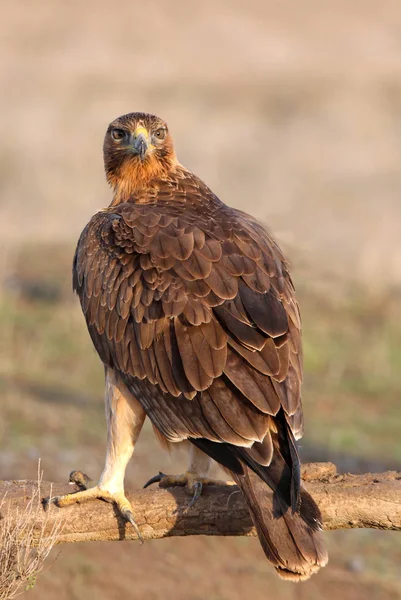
137, 149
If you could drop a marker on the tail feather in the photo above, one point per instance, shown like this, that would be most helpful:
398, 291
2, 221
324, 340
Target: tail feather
290, 540
286, 517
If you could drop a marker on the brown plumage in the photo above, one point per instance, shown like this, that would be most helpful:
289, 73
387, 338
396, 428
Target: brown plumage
191, 303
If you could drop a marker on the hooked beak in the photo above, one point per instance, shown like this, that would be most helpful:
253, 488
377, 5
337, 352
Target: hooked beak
140, 142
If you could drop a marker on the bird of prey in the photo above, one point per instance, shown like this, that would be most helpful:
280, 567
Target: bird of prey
191, 308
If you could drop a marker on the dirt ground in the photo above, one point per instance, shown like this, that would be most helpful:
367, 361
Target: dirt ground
291, 111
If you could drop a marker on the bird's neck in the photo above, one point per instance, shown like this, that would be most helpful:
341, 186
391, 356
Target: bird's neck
140, 182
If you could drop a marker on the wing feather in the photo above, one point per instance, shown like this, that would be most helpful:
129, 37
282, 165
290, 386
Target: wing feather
193, 304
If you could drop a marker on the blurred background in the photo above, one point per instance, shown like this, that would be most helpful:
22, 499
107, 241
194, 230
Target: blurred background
289, 110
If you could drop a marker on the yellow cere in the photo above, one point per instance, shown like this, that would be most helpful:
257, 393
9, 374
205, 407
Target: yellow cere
143, 131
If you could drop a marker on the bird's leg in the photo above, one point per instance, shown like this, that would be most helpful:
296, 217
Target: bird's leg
194, 478
125, 417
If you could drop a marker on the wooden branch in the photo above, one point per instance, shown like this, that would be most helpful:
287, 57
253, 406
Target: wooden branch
346, 501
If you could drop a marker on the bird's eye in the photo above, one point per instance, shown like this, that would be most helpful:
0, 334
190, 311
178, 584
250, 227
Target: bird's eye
160, 133
117, 134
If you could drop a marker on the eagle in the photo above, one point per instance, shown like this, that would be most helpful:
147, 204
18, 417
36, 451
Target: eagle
192, 310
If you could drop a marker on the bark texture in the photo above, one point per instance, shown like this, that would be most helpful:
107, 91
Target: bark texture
346, 501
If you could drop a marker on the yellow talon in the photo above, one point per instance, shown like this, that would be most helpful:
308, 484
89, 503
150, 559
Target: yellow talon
192, 482
94, 493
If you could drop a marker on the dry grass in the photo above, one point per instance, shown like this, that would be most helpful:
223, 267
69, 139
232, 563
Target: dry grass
23, 547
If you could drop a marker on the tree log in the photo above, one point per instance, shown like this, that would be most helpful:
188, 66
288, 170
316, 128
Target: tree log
346, 501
